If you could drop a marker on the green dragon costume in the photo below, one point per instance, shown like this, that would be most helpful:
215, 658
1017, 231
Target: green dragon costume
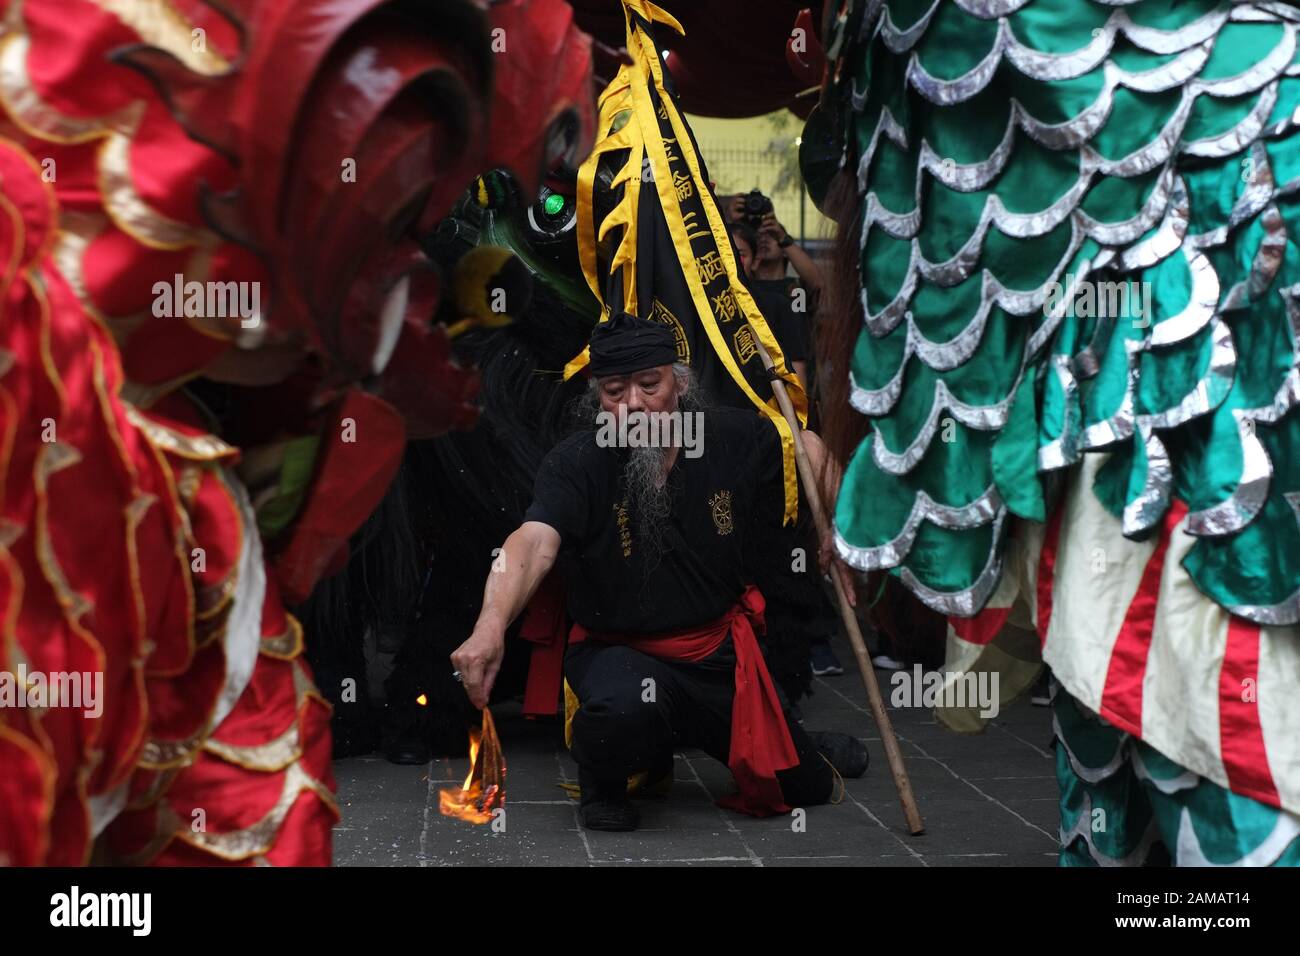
1077, 348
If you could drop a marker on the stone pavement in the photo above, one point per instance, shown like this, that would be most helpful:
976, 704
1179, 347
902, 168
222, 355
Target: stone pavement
987, 800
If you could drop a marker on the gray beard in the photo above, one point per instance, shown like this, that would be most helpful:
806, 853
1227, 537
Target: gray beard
648, 498
649, 492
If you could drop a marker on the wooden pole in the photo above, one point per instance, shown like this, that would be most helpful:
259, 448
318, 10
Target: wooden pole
893, 754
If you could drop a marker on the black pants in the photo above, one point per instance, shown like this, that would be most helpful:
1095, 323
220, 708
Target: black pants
636, 708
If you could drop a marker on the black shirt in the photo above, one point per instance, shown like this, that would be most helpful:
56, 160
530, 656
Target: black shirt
724, 505
772, 296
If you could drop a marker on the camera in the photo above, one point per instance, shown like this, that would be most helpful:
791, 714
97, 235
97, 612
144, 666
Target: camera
755, 207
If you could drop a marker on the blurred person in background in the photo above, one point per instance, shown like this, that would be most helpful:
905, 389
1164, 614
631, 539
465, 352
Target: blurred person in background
774, 302
777, 297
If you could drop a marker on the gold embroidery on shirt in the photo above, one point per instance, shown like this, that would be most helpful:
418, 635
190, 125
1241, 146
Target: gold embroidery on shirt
624, 527
720, 506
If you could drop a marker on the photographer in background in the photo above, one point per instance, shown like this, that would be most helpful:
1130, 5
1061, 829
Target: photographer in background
774, 293
775, 246
774, 302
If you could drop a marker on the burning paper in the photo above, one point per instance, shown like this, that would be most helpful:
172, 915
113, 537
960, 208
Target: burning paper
485, 788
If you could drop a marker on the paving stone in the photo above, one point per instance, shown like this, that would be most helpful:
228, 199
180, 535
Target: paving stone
987, 800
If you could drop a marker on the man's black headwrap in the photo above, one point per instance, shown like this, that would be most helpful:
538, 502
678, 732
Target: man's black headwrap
627, 344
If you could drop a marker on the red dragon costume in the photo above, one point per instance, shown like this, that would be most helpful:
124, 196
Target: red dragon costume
293, 149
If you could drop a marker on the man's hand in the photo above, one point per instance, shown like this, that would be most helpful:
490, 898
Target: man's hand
809, 274
832, 563
478, 661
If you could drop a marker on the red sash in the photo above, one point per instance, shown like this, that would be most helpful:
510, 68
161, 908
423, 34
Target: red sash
760, 738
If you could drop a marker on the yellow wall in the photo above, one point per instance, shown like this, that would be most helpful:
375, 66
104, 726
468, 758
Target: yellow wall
739, 155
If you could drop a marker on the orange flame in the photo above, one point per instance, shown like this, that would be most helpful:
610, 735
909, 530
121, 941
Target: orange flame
484, 789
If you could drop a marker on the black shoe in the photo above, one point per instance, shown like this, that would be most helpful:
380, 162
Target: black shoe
824, 661
605, 806
848, 755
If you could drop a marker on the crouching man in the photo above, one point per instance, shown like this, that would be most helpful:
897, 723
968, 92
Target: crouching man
653, 543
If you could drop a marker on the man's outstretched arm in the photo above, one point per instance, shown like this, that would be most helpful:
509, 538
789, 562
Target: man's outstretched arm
526, 557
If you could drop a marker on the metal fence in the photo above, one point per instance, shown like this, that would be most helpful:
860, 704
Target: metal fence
740, 167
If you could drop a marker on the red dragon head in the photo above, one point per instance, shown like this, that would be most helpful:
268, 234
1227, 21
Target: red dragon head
351, 128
